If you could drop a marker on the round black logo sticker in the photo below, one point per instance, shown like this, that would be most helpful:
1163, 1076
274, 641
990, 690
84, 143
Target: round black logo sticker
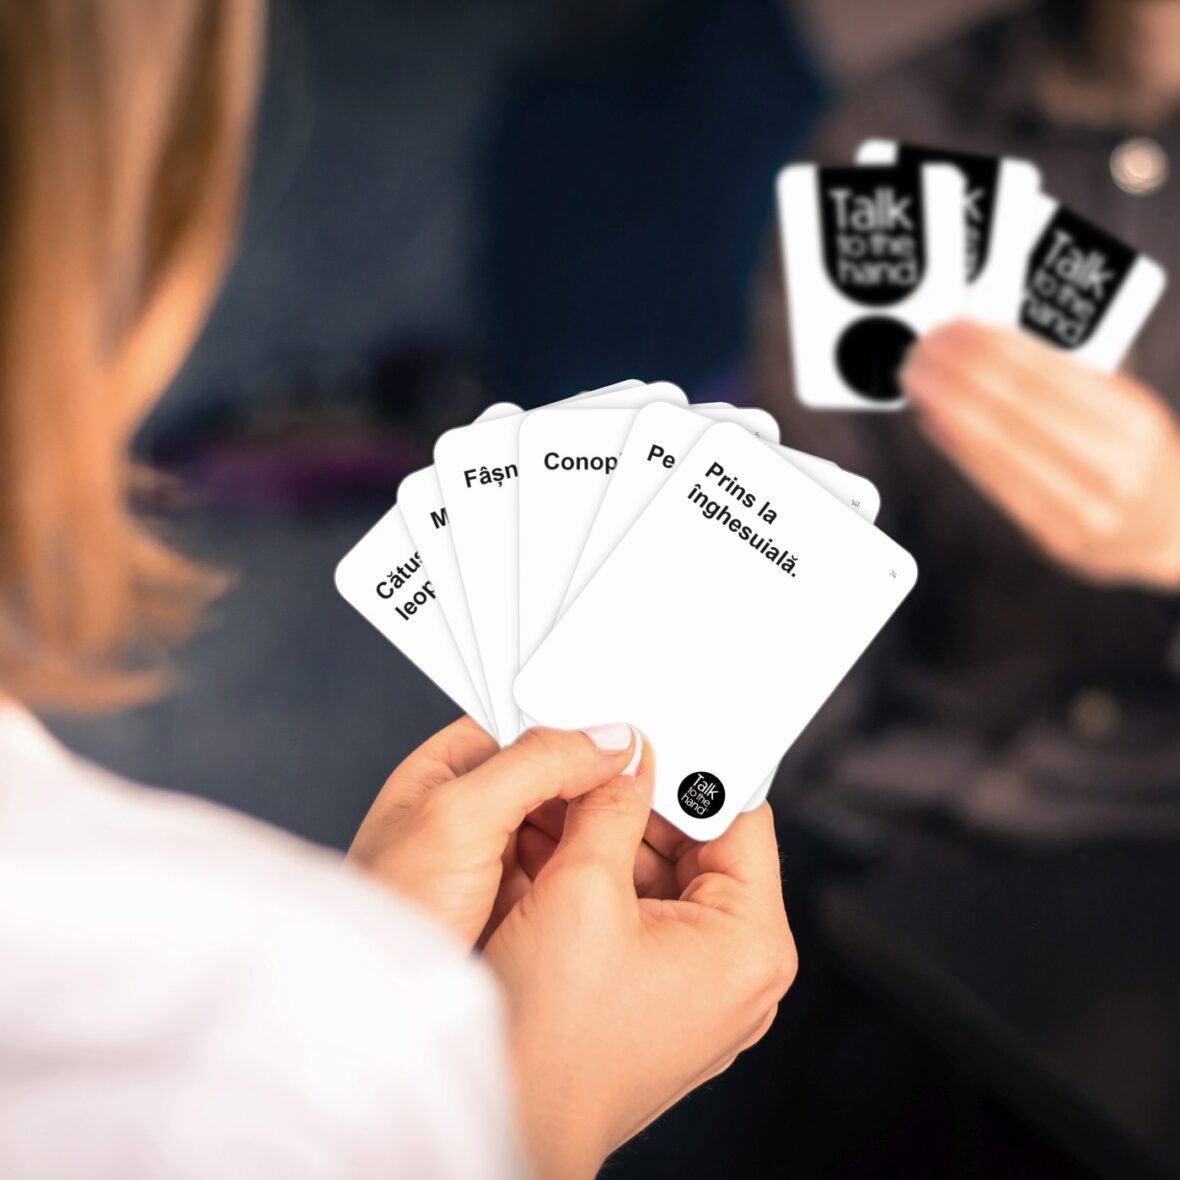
701, 794
870, 353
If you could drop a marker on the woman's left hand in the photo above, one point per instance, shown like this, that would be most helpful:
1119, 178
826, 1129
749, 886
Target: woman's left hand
1087, 464
448, 828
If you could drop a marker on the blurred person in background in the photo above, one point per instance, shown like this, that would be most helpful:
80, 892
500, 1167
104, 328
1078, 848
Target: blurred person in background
627, 171
185, 992
1031, 689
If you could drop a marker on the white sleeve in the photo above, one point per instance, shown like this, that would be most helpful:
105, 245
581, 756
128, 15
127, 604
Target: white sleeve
187, 994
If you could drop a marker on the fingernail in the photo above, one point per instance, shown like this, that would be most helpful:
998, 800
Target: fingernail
632, 767
610, 739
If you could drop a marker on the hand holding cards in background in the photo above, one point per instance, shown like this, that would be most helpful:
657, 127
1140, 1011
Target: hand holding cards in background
1086, 463
897, 236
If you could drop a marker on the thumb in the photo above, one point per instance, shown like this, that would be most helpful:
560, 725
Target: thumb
606, 825
542, 764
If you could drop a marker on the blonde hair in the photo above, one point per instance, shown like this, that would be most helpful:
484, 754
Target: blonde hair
124, 127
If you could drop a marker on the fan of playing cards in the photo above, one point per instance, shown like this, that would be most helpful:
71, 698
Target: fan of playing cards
878, 252
624, 556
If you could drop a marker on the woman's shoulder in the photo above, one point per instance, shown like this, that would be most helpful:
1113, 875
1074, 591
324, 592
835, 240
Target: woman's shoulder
161, 937
178, 857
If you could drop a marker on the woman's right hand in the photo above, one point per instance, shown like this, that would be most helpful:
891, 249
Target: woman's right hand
620, 1005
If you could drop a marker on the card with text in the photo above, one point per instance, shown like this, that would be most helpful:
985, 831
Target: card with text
384, 577
420, 501
661, 432
567, 463
567, 455
660, 435
366, 569
759, 592
427, 571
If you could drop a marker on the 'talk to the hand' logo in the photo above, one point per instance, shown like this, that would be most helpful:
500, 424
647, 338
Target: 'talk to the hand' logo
701, 794
873, 231
1074, 273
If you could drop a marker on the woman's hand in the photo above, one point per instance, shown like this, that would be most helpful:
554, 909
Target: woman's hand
619, 1005
1087, 464
443, 830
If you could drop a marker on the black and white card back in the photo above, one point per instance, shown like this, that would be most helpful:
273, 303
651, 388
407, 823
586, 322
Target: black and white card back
1084, 291
874, 256
998, 203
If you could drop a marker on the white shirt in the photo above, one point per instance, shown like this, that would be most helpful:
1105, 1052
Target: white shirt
187, 993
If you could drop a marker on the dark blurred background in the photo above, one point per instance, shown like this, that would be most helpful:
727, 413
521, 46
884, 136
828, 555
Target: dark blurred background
459, 202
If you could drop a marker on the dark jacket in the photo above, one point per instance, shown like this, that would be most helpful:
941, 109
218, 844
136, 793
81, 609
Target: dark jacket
1007, 693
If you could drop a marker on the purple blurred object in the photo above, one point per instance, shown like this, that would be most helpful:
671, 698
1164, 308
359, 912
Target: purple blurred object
316, 467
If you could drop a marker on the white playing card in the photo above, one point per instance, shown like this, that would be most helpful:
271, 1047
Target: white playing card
566, 456
421, 504
874, 256
590, 394
384, 577
420, 501
719, 624
408, 555
660, 435
367, 565
1084, 291
999, 202
477, 470
856, 491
